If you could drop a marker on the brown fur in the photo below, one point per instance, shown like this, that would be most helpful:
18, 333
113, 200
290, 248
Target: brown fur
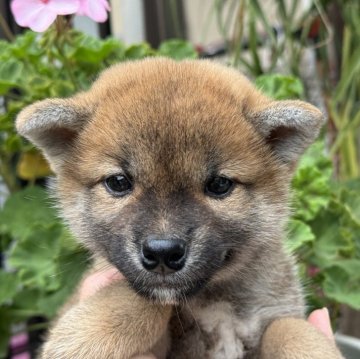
172, 126
296, 339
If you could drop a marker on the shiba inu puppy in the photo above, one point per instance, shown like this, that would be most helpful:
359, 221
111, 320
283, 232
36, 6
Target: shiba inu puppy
177, 173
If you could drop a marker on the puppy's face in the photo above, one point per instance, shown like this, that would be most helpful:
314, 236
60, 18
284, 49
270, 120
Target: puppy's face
177, 173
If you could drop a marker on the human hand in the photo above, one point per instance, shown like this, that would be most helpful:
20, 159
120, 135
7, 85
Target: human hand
320, 319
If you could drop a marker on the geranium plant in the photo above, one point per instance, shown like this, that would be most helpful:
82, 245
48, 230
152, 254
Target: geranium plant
38, 15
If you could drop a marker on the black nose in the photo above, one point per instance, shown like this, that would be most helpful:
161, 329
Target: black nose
163, 255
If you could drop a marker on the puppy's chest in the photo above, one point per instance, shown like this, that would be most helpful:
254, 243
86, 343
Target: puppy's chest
215, 331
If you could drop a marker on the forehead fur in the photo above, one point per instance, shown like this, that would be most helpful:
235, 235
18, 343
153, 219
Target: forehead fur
158, 114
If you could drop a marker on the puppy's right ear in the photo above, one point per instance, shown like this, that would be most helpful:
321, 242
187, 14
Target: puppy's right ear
53, 125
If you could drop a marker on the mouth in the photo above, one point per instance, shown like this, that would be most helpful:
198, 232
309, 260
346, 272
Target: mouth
166, 289
177, 287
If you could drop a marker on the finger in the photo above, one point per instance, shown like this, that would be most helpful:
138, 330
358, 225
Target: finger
98, 280
320, 319
149, 356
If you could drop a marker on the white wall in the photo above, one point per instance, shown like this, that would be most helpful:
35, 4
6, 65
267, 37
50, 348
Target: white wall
127, 20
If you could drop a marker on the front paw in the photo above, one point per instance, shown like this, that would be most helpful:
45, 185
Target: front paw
293, 338
114, 323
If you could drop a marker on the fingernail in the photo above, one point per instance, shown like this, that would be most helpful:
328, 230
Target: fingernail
325, 310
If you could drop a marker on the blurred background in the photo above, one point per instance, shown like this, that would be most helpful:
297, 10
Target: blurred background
306, 49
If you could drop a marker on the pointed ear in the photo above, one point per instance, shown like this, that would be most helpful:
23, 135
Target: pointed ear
53, 125
288, 126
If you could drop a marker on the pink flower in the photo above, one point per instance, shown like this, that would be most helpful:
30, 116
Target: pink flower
94, 9
38, 15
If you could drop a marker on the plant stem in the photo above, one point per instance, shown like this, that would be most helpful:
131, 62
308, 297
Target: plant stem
239, 29
61, 26
175, 18
7, 32
7, 175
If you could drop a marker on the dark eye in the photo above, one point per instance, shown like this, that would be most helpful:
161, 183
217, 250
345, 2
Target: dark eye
218, 186
118, 185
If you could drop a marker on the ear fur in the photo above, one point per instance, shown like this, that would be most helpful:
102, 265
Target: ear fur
52, 125
288, 126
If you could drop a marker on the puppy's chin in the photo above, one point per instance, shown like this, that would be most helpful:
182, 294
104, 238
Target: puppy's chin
166, 296
170, 290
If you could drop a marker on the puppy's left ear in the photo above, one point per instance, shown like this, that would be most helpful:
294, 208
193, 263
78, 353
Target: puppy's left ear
289, 127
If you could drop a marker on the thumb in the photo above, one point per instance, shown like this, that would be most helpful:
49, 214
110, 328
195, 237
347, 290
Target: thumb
320, 319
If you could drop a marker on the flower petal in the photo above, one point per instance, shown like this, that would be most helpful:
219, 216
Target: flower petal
64, 7
42, 20
25, 10
95, 9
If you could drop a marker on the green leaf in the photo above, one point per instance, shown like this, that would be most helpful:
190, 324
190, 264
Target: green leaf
92, 50
62, 88
40, 268
342, 282
4, 50
139, 51
280, 87
25, 304
177, 49
312, 193
337, 234
299, 234
9, 286
10, 75
311, 183
12, 143
5, 322
350, 194
71, 268
24, 210
315, 156
40, 83
26, 46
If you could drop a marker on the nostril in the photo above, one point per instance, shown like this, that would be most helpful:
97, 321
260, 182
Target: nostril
149, 260
150, 257
148, 254
175, 257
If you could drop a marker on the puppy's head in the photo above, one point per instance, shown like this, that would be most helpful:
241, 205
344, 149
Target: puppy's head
176, 172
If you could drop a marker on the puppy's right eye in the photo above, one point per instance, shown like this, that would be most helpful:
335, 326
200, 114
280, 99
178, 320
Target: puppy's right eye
219, 186
118, 185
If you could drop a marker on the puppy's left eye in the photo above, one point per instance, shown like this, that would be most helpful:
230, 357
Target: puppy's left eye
218, 186
118, 185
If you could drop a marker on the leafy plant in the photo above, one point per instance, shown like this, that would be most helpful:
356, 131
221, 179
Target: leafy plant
325, 232
253, 28
280, 87
344, 99
41, 261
